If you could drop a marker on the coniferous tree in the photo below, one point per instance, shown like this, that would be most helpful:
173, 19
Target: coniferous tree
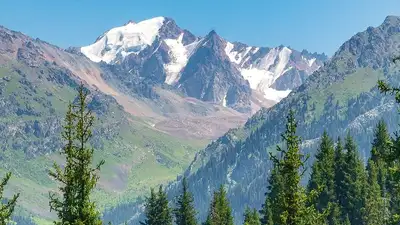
323, 176
220, 211
354, 183
380, 151
151, 212
266, 212
340, 188
6, 209
290, 198
251, 217
157, 210
185, 213
163, 210
78, 178
374, 212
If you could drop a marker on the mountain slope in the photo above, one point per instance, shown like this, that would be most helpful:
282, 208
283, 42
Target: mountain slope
133, 133
341, 96
158, 51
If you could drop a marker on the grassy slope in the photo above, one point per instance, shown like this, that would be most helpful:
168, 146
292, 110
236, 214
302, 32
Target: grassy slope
137, 158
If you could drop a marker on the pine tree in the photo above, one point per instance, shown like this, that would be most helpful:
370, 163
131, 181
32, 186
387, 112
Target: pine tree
323, 174
163, 210
290, 198
374, 213
266, 212
380, 151
220, 212
354, 182
185, 213
78, 178
151, 209
6, 209
273, 206
251, 217
157, 210
340, 189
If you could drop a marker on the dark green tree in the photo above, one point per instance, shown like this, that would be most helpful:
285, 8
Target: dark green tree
374, 212
354, 183
290, 198
151, 209
6, 208
157, 210
185, 213
266, 212
323, 175
340, 189
77, 178
163, 210
251, 217
220, 211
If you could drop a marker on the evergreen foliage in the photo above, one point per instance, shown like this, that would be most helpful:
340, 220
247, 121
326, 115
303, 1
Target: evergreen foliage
77, 178
220, 211
7, 208
185, 213
251, 217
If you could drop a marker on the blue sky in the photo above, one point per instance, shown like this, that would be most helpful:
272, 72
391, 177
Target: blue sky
315, 25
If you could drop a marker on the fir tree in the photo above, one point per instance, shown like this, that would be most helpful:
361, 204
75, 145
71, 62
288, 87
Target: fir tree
157, 210
220, 212
151, 212
266, 213
251, 217
290, 198
78, 178
323, 174
339, 175
374, 213
380, 151
6, 209
163, 210
185, 213
354, 182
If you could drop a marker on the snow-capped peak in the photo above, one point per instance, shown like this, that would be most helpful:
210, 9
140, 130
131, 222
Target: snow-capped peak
128, 39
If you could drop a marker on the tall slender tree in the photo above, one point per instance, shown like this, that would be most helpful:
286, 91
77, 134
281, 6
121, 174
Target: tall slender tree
290, 198
323, 174
185, 213
220, 211
374, 212
77, 178
6, 208
151, 209
354, 182
163, 209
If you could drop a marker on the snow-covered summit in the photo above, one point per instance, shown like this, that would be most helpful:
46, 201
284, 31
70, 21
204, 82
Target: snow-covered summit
128, 39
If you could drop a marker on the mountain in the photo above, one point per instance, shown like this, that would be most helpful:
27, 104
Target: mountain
147, 134
208, 68
339, 97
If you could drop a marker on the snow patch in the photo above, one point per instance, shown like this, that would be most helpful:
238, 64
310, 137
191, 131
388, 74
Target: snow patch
275, 95
178, 53
123, 41
224, 101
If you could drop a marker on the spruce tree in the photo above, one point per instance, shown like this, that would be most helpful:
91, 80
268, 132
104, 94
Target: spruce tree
220, 211
77, 178
323, 174
273, 205
266, 212
291, 198
251, 217
151, 209
6, 208
354, 182
374, 212
340, 189
163, 210
185, 213
157, 210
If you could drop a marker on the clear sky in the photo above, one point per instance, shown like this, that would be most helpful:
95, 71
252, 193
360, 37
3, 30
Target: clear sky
315, 25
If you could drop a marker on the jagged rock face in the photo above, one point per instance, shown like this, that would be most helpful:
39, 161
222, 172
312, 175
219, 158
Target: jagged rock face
211, 69
210, 76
